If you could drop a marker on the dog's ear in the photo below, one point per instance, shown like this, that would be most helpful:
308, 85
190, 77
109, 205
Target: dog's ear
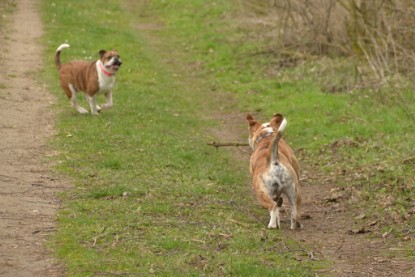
251, 120
102, 53
276, 121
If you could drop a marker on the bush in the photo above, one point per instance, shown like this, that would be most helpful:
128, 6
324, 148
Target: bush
378, 35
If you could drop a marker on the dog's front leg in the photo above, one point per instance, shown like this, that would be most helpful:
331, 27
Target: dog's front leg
74, 101
274, 221
92, 104
295, 219
108, 104
295, 203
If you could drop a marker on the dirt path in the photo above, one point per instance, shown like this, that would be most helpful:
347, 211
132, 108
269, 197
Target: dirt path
337, 231
27, 188
334, 228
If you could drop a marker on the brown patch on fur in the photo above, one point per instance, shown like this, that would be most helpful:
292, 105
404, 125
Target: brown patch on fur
82, 73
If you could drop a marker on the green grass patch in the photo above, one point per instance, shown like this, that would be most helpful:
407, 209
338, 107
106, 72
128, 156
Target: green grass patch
150, 196
6, 9
376, 125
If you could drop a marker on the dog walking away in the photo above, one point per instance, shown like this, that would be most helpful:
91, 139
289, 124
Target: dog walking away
274, 169
93, 78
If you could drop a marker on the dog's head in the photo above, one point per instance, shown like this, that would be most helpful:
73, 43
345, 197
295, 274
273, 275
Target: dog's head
258, 130
111, 60
278, 122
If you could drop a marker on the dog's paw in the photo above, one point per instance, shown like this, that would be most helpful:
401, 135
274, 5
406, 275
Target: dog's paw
82, 110
296, 225
273, 226
106, 106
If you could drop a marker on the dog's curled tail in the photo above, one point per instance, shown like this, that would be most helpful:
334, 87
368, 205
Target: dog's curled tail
58, 53
278, 136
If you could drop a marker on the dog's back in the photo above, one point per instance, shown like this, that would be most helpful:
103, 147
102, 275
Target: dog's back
82, 73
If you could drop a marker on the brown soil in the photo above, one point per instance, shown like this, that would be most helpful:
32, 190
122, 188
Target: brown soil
28, 204
338, 231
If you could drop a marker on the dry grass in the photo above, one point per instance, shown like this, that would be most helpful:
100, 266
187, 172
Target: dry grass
377, 37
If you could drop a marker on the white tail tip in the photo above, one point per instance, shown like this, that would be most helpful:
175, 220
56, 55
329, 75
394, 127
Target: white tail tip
282, 126
62, 46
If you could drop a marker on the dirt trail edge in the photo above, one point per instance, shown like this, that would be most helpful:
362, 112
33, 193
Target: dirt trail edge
27, 187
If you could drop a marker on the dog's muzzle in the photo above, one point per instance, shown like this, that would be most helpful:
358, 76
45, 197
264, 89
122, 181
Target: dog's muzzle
116, 64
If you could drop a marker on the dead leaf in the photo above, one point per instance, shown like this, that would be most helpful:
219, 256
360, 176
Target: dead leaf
373, 223
387, 201
381, 260
411, 211
305, 216
226, 236
384, 235
359, 231
361, 216
335, 196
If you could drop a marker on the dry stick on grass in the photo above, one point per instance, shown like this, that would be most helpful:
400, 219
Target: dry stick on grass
220, 144
233, 144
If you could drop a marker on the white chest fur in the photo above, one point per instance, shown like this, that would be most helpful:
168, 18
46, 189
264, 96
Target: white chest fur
105, 82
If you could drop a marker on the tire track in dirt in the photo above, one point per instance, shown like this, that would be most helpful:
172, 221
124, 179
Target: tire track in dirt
28, 204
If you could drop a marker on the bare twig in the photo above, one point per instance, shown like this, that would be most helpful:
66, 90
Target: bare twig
222, 144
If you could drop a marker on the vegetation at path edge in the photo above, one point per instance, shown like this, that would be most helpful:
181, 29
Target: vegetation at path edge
150, 196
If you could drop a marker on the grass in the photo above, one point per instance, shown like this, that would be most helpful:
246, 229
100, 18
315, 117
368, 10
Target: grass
149, 196
6, 8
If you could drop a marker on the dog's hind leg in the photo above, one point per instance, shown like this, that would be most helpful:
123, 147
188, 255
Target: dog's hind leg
266, 201
74, 101
295, 202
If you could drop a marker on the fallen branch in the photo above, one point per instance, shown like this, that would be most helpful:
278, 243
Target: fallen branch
220, 144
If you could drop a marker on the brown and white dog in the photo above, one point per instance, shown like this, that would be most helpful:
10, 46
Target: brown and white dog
274, 169
92, 78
